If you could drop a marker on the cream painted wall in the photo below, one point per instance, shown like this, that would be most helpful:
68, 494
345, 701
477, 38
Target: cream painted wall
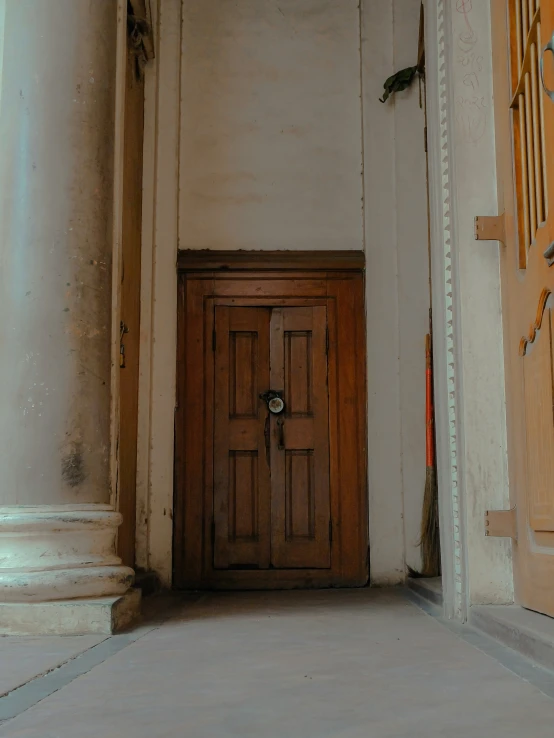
469, 388
486, 484
270, 125
257, 138
397, 289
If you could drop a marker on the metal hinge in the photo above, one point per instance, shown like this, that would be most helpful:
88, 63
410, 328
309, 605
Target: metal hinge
213, 340
490, 228
330, 531
213, 532
501, 523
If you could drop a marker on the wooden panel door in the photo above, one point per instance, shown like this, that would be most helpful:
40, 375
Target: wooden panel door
250, 322
300, 505
271, 472
241, 533
525, 135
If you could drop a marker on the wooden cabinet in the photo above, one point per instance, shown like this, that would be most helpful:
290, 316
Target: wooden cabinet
269, 499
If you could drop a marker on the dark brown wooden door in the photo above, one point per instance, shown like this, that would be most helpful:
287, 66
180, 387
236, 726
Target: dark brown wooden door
271, 472
300, 510
248, 514
241, 464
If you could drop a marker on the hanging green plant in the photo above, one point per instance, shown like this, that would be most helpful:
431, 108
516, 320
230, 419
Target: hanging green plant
399, 81
405, 77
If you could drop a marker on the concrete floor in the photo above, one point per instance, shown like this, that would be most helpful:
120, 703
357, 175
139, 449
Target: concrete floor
347, 664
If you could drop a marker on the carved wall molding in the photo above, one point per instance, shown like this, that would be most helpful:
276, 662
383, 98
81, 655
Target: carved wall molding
449, 288
444, 300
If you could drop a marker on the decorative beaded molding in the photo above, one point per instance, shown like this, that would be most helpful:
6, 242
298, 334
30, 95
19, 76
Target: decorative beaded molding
450, 331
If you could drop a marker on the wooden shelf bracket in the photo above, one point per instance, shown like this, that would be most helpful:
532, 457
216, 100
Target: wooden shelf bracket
490, 228
501, 523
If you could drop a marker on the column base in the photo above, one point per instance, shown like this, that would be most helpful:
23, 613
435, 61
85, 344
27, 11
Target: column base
60, 552
89, 616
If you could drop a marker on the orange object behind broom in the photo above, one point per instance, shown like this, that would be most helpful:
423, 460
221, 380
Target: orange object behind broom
430, 538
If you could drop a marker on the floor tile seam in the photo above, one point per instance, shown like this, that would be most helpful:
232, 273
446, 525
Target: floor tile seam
20, 699
47, 671
39, 688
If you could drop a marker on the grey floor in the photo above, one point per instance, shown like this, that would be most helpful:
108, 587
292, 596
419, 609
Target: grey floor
347, 664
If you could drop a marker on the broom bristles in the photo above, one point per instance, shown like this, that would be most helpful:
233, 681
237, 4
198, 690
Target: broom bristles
430, 537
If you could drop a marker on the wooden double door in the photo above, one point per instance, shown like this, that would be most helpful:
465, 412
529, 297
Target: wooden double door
271, 469
270, 428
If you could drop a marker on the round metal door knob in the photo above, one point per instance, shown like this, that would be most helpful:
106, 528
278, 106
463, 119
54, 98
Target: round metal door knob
276, 405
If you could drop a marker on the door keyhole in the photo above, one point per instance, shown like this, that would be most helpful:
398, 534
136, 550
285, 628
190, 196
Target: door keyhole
281, 432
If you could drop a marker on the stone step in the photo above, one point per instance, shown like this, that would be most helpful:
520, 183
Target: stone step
428, 588
529, 633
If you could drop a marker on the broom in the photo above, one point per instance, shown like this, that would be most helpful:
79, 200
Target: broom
429, 536
430, 539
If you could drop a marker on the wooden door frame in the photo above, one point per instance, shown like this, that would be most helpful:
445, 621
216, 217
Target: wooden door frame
129, 296
335, 279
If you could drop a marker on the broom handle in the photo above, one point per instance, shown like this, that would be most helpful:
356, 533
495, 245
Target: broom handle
429, 436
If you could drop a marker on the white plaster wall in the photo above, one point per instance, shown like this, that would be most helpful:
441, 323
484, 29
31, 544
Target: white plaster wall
483, 390
256, 138
270, 125
470, 390
397, 289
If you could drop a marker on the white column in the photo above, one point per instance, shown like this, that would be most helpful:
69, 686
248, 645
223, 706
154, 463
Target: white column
57, 108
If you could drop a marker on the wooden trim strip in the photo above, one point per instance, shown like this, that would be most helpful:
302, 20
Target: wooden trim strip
207, 260
536, 326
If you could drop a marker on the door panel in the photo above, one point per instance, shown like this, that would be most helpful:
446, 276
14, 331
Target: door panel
300, 501
271, 472
538, 377
525, 128
241, 466
533, 177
